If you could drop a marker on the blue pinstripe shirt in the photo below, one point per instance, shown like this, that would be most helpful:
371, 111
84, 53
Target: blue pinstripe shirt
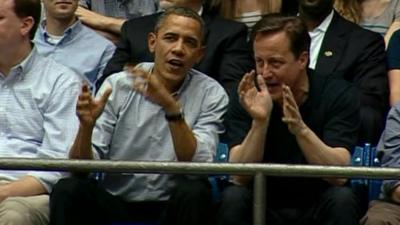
37, 113
134, 128
81, 49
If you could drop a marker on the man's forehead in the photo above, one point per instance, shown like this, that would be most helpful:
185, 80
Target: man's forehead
179, 19
272, 39
175, 22
6, 5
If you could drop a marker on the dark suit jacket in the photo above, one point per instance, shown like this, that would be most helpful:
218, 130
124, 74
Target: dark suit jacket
227, 54
358, 55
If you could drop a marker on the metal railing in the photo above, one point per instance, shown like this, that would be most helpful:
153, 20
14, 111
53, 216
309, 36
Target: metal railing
259, 171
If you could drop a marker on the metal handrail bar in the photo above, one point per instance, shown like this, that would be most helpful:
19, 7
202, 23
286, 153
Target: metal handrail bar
198, 168
257, 169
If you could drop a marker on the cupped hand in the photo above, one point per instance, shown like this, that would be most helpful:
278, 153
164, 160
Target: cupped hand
291, 112
258, 103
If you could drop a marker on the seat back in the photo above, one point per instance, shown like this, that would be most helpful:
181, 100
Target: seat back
222, 155
366, 155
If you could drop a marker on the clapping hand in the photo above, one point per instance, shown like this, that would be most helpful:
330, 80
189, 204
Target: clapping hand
291, 113
89, 109
258, 103
150, 86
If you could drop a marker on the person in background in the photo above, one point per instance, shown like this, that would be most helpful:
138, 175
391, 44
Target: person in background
246, 11
381, 16
290, 7
107, 16
37, 115
62, 37
386, 210
393, 57
343, 49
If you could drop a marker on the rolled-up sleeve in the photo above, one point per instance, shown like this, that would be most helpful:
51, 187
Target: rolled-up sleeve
210, 124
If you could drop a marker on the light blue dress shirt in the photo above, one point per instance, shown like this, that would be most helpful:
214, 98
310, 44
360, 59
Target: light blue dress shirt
37, 114
134, 128
81, 49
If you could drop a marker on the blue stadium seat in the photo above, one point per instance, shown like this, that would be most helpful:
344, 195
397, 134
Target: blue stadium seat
366, 156
222, 155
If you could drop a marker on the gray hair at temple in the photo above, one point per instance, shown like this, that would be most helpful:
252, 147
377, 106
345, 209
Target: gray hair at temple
181, 11
29, 8
293, 26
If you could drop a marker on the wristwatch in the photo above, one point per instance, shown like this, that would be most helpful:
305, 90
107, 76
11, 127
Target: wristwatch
175, 116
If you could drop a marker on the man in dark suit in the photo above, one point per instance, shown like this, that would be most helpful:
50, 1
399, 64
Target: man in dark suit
227, 55
343, 49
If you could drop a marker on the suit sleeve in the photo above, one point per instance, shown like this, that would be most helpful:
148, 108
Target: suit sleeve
372, 81
236, 59
121, 55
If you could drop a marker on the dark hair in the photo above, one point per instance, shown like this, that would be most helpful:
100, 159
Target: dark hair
294, 27
180, 11
26, 8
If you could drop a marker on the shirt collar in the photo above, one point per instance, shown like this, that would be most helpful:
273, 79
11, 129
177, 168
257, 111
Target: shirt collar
71, 31
325, 24
185, 83
25, 66
200, 12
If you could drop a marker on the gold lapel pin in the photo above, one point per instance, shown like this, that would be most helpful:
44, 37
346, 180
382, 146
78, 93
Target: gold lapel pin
328, 53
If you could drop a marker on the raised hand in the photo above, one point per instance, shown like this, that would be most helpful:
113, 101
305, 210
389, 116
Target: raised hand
89, 109
291, 113
258, 103
151, 87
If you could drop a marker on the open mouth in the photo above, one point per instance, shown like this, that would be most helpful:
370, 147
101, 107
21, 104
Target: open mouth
175, 64
273, 85
64, 3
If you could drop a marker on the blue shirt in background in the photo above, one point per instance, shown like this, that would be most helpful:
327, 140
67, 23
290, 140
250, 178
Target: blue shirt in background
80, 48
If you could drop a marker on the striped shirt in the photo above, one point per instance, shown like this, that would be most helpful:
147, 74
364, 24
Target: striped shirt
250, 19
125, 9
37, 113
381, 23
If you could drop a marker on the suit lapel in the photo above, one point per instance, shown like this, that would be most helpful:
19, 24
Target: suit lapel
333, 46
207, 17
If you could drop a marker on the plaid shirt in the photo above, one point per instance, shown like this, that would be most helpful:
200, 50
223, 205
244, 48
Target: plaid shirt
126, 9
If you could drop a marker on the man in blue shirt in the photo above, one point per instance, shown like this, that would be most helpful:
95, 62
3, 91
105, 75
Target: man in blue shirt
386, 209
107, 16
227, 55
62, 36
37, 114
173, 113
